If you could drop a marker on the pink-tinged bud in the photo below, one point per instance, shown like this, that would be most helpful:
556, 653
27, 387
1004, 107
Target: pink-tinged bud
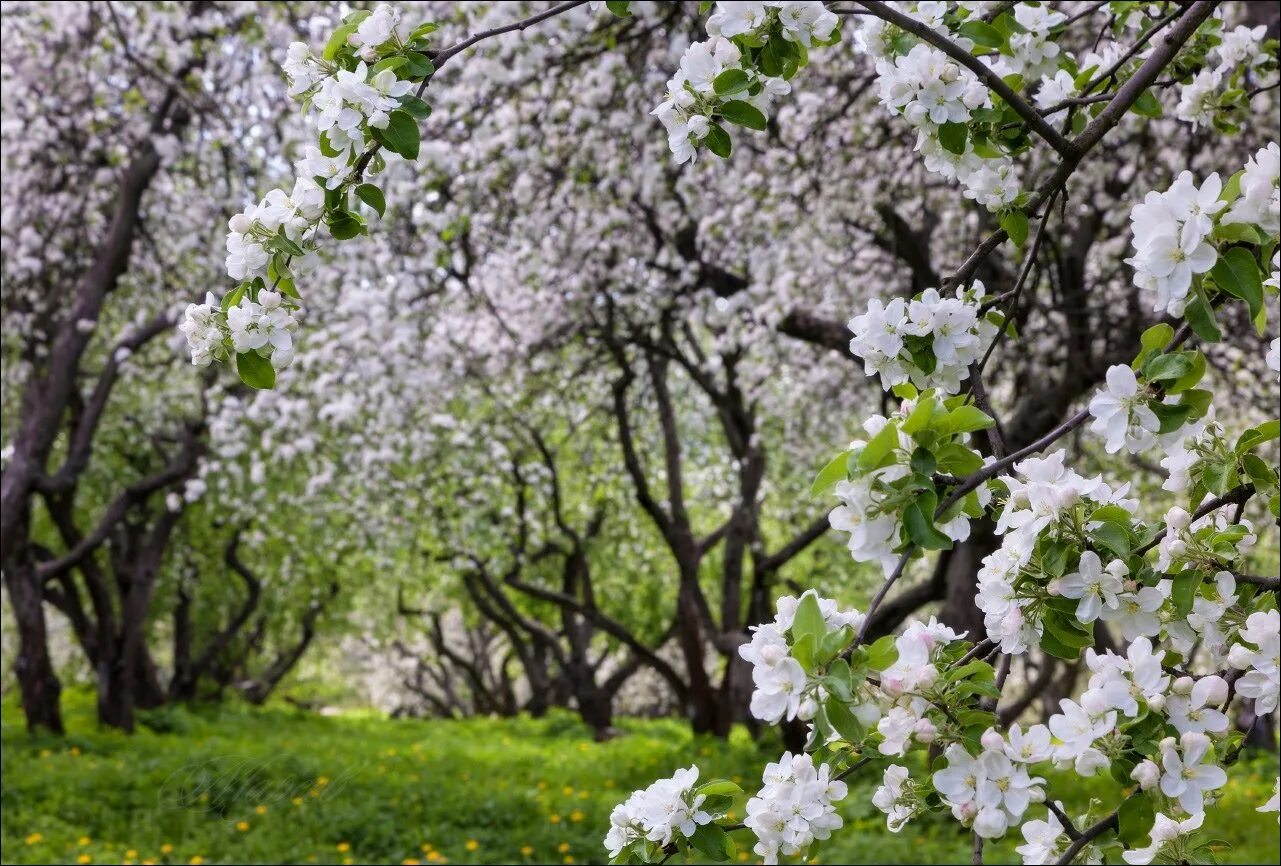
1147, 774
927, 677
992, 741
1182, 686
925, 731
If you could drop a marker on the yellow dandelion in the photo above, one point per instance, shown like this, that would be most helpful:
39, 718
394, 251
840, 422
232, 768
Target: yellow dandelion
409, 861
242, 826
297, 801
426, 846
261, 809
567, 791
34, 839
568, 859
75, 750
132, 854
322, 781
555, 819
44, 753
343, 847
562, 847
84, 858
742, 856
583, 795
433, 856
166, 848
83, 841
148, 863
576, 816
196, 861
472, 845
527, 850
347, 861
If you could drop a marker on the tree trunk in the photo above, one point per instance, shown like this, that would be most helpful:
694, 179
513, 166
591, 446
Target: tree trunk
961, 579
39, 684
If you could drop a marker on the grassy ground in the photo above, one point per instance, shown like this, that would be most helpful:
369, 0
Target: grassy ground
227, 784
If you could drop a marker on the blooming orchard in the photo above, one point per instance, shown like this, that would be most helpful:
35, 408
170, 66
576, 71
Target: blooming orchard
1002, 110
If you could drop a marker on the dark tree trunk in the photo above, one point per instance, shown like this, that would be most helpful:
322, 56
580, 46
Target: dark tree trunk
33, 668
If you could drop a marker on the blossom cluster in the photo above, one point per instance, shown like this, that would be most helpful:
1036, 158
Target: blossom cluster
884, 481
1213, 94
753, 50
794, 807
357, 99
780, 679
1049, 500
930, 341
659, 813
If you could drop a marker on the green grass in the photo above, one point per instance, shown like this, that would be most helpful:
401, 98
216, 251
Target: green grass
232, 784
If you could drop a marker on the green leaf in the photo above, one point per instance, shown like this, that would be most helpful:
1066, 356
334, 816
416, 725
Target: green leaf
718, 786
731, 81
829, 475
1135, 819
982, 33
419, 66
882, 653
338, 39
393, 62
1265, 432
809, 619
919, 418
372, 196
1200, 316
1112, 538
923, 462
966, 418
232, 298
844, 721
953, 136
621, 8
881, 446
1183, 592
415, 106
343, 225
709, 839
1057, 648
255, 370
744, 114
1237, 273
718, 141
920, 528
1167, 368
401, 134
1015, 224
1147, 105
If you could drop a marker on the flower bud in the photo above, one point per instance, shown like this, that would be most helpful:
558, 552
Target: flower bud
1054, 587
1177, 519
773, 654
924, 731
1182, 686
269, 299
992, 741
1217, 691
1066, 496
1194, 740
240, 223
1167, 744
1156, 702
1176, 548
927, 677
1147, 774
